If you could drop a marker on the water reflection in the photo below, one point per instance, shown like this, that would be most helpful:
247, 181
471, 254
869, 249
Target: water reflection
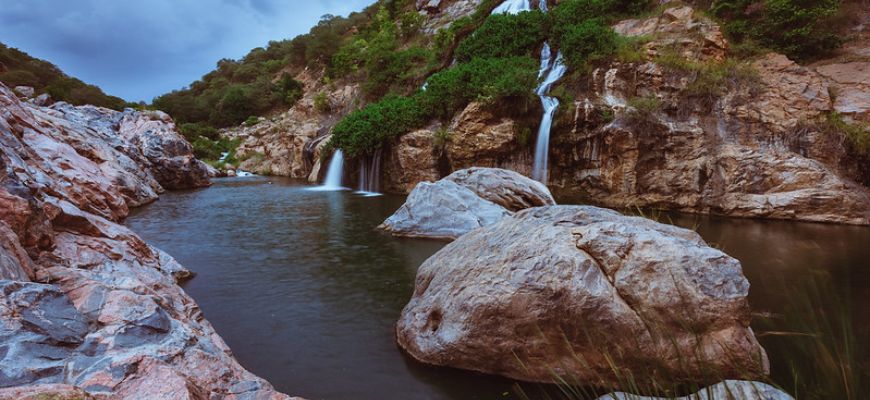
307, 293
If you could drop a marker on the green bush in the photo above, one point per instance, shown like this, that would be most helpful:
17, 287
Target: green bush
321, 103
252, 120
505, 35
801, 29
365, 130
193, 131
486, 80
588, 41
570, 13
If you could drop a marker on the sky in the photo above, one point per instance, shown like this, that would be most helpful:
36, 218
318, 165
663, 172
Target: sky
139, 49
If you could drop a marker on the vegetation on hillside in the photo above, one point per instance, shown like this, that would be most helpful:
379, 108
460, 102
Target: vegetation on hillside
801, 29
17, 68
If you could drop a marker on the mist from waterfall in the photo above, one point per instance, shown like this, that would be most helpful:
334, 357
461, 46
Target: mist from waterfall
552, 69
334, 174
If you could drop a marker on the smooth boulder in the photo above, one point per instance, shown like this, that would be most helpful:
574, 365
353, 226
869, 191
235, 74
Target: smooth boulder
571, 291
465, 200
442, 210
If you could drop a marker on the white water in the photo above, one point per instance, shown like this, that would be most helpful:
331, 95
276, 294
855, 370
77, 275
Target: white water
514, 7
370, 174
332, 182
552, 69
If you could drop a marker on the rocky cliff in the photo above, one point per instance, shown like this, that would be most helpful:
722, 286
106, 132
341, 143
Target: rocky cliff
87, 307
682, 126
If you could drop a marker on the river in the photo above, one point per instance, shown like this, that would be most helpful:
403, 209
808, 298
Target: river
306, 292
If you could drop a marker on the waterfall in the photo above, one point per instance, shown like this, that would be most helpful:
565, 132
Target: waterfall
514, 7
370, 174
552, 69
333, 174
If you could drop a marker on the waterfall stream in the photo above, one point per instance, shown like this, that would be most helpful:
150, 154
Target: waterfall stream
552, 69
333, 174
370, 174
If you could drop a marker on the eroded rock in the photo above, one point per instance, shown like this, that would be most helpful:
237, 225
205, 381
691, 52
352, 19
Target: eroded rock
732, 390
565, 290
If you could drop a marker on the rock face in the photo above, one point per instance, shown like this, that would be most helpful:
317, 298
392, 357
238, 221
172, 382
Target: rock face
464, 201
86, 307
560, 290
733, 390
748, 152
285, 144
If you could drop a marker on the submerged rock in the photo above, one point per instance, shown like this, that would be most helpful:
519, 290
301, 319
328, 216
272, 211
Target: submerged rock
564, 290
730, 390
464, 201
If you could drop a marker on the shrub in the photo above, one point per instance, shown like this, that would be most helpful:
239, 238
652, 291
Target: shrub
486, 80
252, 120
365, 130
504, 35
801, 29
321, 103
193, 131
586, 42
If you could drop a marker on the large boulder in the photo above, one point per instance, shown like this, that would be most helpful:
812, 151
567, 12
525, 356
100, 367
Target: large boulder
504, 187
587, 294
466, 200
442, 210
731, 390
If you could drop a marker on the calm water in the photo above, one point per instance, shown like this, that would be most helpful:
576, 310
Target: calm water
307, 293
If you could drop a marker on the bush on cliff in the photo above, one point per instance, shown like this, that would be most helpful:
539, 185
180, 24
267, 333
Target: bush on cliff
487, 80
505, 36
801, 29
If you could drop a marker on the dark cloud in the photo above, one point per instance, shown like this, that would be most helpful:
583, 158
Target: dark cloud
140, 49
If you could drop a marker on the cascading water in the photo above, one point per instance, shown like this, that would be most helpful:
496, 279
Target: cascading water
370, 174
333, 174
552, 69
514, 7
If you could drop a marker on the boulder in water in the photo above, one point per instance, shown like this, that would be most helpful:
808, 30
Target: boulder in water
586, 294
466, 200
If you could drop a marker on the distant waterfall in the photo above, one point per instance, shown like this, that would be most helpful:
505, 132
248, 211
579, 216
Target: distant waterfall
333, 174
370, 174
552, 69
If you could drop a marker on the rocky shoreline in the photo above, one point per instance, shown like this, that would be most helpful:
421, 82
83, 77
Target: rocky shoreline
89, 310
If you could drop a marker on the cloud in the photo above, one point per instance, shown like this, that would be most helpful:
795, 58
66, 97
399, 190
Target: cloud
141, 49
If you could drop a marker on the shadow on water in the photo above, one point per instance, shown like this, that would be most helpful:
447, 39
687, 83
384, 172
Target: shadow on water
306, 292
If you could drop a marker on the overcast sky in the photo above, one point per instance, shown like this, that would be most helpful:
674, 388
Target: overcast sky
138, 49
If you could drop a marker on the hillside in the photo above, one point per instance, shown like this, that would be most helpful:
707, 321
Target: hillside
712, 108
17, 68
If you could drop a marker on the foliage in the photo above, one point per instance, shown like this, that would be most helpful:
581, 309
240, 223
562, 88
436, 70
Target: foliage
857, 133
588, 41
23, 70
505, 35
801, 29
708, 81
321, 103
486, 80
252, 120
192, 132
211, 150
366, 129
442, 137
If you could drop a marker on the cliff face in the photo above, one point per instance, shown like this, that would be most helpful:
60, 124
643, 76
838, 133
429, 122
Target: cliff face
87, 307
752, 146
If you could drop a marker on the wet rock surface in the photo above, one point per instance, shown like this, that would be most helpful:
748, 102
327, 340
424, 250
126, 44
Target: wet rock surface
566, 290
87, 308
466, 200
